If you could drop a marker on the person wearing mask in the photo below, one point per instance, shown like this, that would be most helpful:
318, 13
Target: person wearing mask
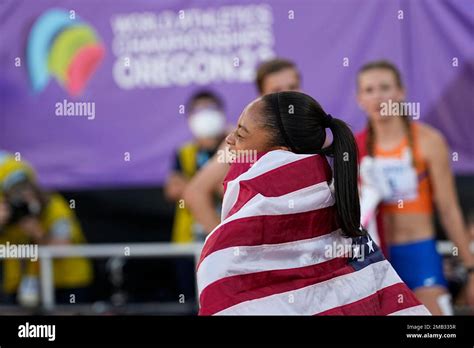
207, 122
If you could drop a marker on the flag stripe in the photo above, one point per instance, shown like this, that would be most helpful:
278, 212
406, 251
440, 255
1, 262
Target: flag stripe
259, 258
351, 287
266, 163
273, 208
290, 179
383, 302
415, 310
230, 291
291, 227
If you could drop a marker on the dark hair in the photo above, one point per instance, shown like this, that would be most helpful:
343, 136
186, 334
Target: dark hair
386, 65
297, 121
270, 67
204, 94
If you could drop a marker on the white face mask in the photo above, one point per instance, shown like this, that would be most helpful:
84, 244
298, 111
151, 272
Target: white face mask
207, 123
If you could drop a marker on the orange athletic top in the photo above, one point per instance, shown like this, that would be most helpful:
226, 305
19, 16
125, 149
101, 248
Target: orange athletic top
417, 193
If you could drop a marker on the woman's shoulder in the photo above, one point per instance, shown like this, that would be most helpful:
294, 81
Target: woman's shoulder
431, 140
428, 133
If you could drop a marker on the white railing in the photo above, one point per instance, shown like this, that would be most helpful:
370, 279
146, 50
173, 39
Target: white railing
131, 250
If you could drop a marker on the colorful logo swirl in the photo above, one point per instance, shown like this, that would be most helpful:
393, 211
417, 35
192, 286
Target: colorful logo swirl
63, 47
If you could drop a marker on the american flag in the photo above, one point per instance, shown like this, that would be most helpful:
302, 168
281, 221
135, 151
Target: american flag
279, 249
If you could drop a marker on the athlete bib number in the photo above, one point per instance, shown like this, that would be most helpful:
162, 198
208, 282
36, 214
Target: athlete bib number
401, 180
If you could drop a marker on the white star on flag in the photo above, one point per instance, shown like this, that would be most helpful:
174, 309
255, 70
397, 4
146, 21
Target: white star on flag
370, 244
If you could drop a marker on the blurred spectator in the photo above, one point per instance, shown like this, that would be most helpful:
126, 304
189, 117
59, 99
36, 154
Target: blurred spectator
206, 119
28, 215
277, 75
207, 122
405, 165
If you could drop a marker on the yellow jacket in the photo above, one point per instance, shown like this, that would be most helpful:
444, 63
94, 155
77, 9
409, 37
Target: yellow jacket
183, 220
72, 272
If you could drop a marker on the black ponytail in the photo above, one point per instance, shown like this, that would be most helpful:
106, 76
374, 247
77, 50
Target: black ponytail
298, 122
344, 152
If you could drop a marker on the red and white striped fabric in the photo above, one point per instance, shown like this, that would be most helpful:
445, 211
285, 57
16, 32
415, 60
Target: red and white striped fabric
277, 249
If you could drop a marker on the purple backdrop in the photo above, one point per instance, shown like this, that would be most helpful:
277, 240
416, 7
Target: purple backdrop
137, 108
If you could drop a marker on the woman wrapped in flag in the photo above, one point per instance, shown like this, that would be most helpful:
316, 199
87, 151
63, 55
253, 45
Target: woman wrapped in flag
290, 241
